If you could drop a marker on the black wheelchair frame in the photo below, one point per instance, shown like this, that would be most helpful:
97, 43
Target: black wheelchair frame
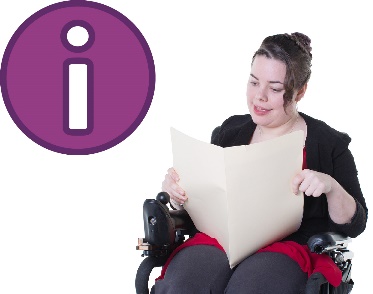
166, 229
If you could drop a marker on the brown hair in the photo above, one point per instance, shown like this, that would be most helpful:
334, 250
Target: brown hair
295, 51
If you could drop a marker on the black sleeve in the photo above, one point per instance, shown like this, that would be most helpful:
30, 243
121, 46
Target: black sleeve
345, 173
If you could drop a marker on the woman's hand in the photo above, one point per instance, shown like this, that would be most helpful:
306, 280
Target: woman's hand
312, 183
341, 205
170, 185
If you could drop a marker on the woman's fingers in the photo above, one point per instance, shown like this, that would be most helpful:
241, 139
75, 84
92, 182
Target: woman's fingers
312, 183
171, 186
173, 174
298, 179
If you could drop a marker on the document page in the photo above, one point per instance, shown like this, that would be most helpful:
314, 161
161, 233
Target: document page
241, 195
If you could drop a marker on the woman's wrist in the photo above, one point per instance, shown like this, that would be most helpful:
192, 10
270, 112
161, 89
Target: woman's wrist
341, 205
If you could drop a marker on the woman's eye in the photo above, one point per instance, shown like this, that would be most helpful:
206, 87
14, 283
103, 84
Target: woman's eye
276, 90
253, 83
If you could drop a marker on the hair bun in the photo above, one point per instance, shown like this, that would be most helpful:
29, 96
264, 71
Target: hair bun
303, 41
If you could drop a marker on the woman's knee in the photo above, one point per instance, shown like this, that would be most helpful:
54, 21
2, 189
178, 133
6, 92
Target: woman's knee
196, 269
267, 272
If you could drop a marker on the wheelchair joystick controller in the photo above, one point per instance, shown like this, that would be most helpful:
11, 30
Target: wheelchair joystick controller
164, 229
163, 197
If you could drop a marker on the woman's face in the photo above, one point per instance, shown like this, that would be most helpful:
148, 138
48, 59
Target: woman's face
265, 91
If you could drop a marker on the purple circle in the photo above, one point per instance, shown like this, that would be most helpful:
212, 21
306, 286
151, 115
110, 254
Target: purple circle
79, 23
121, 78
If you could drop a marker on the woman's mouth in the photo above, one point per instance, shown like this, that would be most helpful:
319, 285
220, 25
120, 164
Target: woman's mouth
260, 110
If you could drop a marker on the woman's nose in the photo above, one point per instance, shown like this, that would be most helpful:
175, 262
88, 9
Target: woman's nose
261, 95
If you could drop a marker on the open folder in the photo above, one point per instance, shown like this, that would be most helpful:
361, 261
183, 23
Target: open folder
241, 195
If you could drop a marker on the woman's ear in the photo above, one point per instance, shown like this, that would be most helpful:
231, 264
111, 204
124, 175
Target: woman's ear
301, 93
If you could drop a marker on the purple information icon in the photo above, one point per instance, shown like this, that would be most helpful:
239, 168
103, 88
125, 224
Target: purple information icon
107, 82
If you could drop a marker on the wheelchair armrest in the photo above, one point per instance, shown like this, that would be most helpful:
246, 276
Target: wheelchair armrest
328, 241
335, 245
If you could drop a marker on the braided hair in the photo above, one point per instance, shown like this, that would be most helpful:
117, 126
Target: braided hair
295, 51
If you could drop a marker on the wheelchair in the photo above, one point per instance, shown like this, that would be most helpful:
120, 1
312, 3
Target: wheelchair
166, 229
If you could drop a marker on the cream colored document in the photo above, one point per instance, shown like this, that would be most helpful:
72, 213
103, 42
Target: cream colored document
241, 195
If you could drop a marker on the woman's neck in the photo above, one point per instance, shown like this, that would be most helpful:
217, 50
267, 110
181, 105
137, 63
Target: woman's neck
266, 133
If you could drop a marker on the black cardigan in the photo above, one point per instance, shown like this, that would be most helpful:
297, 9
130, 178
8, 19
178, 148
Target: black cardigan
327, 152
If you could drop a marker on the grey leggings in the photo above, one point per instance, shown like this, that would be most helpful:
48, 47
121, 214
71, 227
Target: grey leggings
205, 269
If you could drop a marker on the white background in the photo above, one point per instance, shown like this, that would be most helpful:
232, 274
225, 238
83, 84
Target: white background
69, 224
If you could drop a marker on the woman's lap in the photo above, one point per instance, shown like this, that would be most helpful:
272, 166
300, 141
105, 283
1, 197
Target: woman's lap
205, 269
267, 272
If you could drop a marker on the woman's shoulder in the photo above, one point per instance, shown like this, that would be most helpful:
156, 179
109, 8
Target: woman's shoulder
236, 122
235, 130
323, 132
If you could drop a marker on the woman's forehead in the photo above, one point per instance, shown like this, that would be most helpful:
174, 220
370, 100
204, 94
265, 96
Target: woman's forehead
268, 69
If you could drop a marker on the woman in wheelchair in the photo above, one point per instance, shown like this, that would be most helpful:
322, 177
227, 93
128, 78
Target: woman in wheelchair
280, 71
